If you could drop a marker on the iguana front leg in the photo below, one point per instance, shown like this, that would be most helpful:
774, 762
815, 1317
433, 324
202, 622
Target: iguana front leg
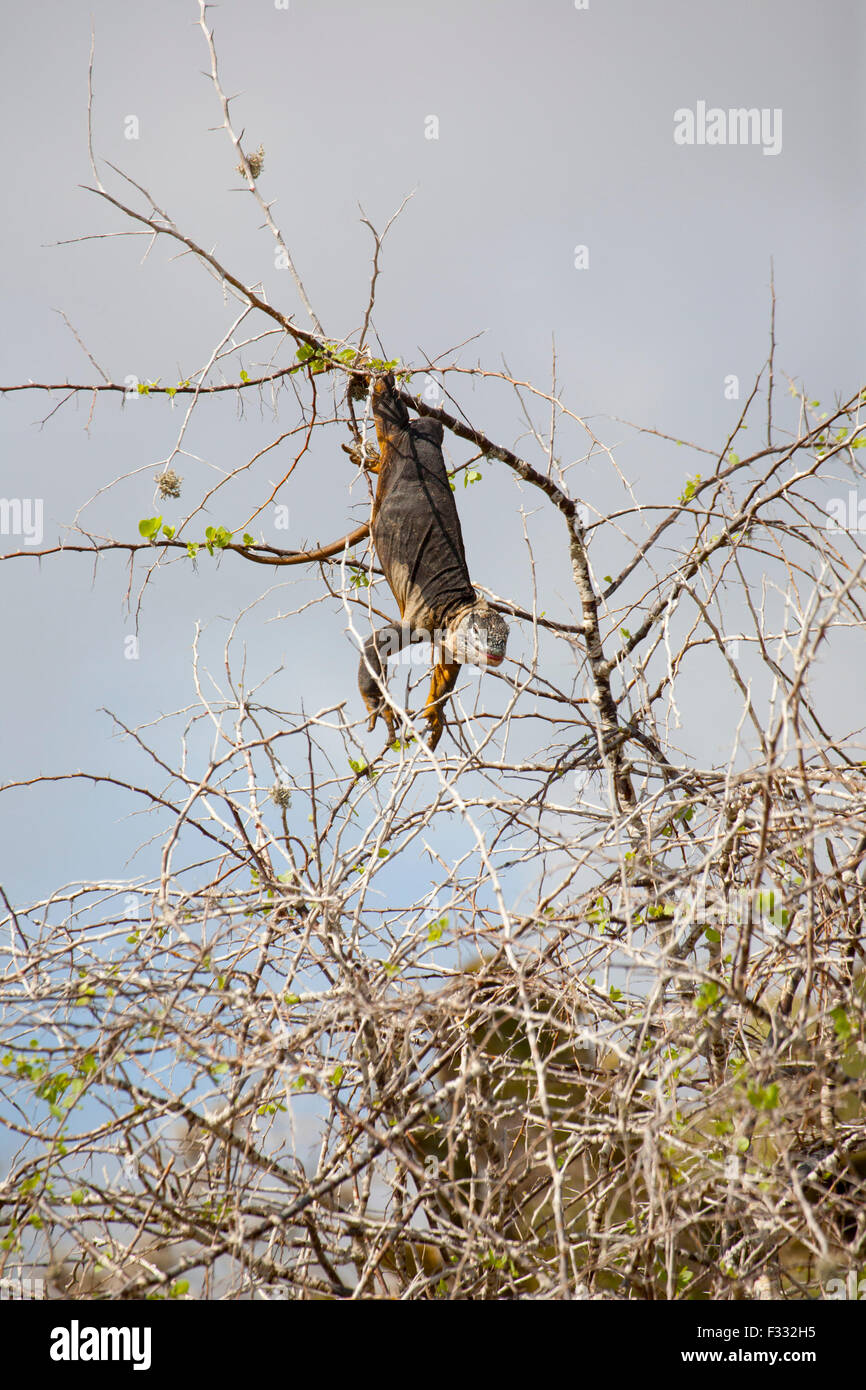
444, 676
373, 671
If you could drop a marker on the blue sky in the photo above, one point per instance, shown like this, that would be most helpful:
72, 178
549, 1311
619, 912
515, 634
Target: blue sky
555, 130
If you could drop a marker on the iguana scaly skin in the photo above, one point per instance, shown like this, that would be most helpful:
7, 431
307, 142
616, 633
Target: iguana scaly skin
417, 535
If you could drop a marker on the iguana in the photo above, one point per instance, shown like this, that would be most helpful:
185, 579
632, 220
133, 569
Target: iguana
417, 536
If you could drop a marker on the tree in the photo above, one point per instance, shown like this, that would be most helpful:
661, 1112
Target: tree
567, 1010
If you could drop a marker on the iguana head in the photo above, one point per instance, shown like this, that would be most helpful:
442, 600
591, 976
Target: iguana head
479, 636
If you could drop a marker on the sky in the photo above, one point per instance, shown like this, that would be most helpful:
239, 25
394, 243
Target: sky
555, 130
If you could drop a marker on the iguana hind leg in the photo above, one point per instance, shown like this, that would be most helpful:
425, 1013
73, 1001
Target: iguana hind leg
444, 676
370, 460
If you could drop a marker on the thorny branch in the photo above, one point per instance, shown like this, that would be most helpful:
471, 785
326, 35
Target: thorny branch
560, 1010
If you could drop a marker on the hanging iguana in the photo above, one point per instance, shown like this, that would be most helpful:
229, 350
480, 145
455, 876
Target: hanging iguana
417, 535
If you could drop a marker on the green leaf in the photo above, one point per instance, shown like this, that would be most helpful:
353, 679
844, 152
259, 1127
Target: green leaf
690, 489
336, 1076
435, 929
168, 532
658, 910
841, 1024
853, 1062
707, 996
149, 526
191, 549
248, 539
763, 1097
245, 376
